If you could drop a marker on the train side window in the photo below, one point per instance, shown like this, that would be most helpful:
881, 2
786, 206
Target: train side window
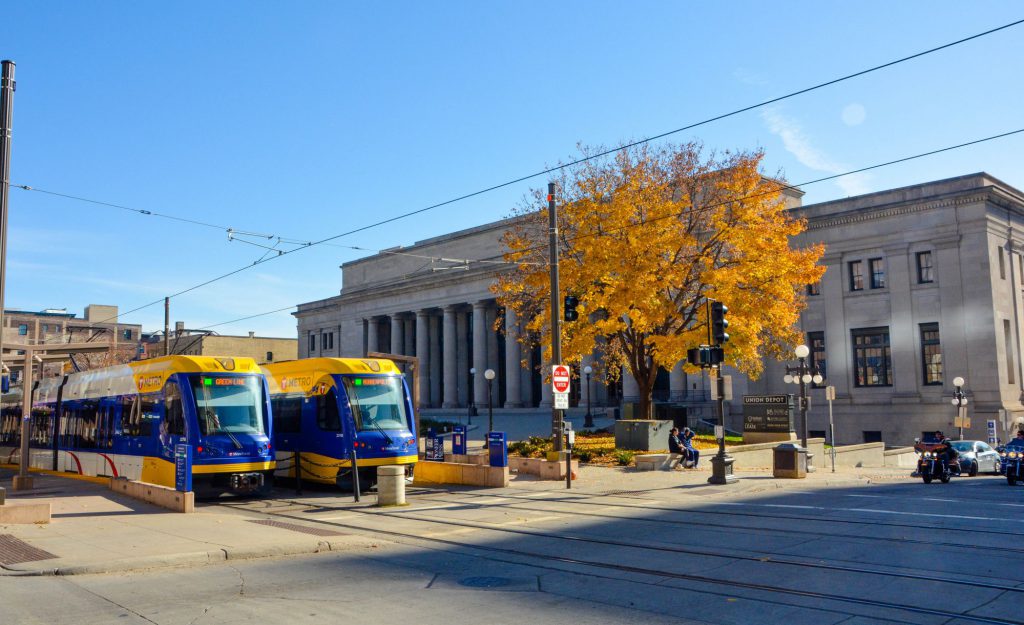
149, 414
287, 412
327, 417
173, 414
88, 428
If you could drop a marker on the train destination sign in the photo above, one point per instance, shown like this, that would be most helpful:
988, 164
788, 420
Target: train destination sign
768, 413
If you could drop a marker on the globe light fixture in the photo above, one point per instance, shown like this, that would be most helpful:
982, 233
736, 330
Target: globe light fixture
807, 377
817, 379
788, 379
802, 351
958, 381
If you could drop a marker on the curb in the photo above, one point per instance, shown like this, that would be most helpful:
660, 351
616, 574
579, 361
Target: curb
215, 556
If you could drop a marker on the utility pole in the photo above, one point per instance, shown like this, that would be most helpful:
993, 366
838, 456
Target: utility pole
167, 326
556, 318
6, 122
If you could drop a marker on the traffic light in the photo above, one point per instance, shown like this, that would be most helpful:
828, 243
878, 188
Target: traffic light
571, 302
719, 323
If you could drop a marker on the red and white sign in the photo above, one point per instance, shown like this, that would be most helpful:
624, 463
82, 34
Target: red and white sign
560, 379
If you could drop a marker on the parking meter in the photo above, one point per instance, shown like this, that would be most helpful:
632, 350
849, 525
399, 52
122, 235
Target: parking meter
570, 440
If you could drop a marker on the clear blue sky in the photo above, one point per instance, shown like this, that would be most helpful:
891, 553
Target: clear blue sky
309, 119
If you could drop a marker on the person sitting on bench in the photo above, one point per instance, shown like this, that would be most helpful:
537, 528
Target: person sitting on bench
692, 453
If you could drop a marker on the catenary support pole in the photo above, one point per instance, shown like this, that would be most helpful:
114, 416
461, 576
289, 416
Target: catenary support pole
167, 326
23, 482
6, 122
556, 326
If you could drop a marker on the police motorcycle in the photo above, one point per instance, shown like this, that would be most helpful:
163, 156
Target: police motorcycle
936, 460
1012, 461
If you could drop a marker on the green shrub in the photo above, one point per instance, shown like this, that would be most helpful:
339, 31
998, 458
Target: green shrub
623, 457
584, 455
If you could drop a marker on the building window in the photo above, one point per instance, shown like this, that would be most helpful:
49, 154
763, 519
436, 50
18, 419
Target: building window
872, 436
312, 343
127, 334
1002, 264
872, 357
270, 356
23, 329
814, 289
877, 273
931, 354
816, 341
327, 340
925, 273
856, 276
1008, 341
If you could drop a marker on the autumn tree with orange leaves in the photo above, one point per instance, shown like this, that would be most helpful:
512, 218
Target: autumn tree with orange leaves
646, 235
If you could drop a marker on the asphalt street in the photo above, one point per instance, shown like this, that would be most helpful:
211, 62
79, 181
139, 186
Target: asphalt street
817, 554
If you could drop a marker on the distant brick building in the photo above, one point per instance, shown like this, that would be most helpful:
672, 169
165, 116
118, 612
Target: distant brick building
204, 343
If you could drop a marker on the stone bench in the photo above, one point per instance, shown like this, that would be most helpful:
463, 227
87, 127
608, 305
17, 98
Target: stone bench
653, 462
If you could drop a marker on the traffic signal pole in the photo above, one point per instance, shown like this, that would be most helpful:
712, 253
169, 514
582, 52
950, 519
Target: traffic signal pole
6, 123
721, 463
556, 326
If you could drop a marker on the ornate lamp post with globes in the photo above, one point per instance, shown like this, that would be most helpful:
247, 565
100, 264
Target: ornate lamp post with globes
960, 400
803, 374
489, 374
588, 420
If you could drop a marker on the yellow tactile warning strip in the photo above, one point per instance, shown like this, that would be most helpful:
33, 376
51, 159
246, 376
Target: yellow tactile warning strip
14, 551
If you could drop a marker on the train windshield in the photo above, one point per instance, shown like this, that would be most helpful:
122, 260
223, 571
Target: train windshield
378, 403
229, 404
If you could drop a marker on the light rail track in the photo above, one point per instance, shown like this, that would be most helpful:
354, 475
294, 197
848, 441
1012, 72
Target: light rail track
548, 557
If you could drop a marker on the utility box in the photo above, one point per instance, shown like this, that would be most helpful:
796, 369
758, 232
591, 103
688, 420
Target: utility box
789, 460
642, 434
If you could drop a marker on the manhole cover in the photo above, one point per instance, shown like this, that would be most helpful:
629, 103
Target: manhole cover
485, 582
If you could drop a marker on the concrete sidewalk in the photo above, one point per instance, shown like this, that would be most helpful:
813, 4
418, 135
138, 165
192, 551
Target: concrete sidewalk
95, 530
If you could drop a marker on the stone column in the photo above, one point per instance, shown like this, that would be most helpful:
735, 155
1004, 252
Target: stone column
372, 335
513, 368
838, 354
397, 330
547, 396
526, 378
451, 377
409, 337
480, 353
462, 360
906, 360
677, 382
630, 388
422, 352
435, 361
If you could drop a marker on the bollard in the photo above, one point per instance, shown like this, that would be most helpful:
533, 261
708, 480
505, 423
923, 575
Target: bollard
391, 485
3, 495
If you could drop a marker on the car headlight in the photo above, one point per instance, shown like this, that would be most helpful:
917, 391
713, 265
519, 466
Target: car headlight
1002, 454
1013, 454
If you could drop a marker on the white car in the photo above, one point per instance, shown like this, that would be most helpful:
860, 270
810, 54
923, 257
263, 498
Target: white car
983, 459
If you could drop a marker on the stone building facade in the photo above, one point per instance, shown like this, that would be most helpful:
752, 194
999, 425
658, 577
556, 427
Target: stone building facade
923, 284
262, 349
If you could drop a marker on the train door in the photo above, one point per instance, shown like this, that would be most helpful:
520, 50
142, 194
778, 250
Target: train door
172, 427
58, 424
330, 440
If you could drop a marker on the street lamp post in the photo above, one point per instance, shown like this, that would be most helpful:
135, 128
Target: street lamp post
803, 374
588, 420
489, 374
960, 401
469, 403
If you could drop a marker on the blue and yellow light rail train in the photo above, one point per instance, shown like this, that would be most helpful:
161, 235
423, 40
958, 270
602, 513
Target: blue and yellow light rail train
326, 408
125, 420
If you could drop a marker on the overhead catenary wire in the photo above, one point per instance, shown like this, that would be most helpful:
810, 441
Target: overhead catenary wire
773, 189
576, 161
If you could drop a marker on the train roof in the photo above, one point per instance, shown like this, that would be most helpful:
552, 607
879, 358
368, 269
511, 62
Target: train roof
148, 375
332, 365
305, 375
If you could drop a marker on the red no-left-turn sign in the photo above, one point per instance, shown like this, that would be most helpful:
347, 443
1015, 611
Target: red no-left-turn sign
560, 379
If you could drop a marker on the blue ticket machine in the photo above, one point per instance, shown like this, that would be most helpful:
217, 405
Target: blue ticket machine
183, 467
459, 440
497, 449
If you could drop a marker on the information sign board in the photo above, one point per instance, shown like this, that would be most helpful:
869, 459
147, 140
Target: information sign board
561, 401
768, 413
434, 451
459, 440
183, 467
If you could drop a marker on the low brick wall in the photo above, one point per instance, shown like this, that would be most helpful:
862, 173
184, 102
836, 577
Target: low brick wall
173, 500
900, 457
461, 473
542, 468
21, 513
759, 456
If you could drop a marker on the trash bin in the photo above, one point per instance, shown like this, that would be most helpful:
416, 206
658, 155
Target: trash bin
789, 460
